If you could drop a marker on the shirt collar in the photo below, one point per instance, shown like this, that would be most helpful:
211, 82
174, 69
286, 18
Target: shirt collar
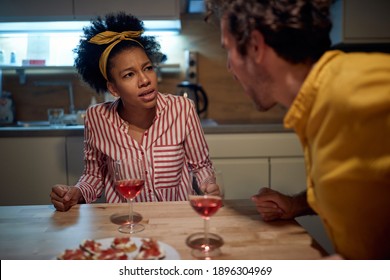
298, 114
161, 103
112, 112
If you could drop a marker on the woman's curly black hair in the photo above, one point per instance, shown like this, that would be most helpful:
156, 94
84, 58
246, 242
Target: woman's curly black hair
88, 54
298, 30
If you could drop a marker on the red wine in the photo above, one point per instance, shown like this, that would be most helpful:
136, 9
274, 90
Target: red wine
129, 188
206, 206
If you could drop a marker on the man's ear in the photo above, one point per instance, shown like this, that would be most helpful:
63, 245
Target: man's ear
112, 89
257, 46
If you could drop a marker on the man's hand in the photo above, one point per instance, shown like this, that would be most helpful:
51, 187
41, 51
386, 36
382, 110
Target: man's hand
272, 205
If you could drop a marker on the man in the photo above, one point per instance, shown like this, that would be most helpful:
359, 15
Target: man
339, 106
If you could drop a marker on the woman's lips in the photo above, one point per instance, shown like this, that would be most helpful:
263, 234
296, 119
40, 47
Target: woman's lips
148, 95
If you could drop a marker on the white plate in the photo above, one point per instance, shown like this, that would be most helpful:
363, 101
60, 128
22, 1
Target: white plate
170, 252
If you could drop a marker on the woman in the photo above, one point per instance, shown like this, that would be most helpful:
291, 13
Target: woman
162, 130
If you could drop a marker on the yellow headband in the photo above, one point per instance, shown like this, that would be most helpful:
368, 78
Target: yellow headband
114, 38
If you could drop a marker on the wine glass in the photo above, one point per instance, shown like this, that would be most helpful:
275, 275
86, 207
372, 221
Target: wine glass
129, 181
206, 245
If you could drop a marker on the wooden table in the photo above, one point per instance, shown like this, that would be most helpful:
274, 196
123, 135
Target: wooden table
40, 232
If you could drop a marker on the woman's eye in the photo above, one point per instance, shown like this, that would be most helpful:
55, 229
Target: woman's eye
149, 68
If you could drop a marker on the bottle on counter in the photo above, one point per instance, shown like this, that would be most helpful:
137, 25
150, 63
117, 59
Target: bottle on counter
13, 58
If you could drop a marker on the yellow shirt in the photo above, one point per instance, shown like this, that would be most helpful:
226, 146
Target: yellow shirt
342, 117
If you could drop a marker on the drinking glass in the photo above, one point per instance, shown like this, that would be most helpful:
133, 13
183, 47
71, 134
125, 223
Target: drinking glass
206, 245
129, 181
55, 116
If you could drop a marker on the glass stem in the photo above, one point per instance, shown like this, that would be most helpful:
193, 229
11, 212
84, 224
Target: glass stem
206, 232
131, 219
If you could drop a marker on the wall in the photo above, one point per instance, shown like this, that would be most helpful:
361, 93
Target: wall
227, 103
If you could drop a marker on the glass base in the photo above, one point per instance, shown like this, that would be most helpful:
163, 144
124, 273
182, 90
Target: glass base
131, 228
202, 248
121, 219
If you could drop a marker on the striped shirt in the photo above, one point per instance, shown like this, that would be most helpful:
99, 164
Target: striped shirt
171, 148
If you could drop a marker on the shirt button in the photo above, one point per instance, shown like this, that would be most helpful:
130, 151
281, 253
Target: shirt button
146, 171
142, 153
146, 133
149, 190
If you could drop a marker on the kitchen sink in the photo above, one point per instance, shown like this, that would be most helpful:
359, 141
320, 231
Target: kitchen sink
32, 123
38, 124
68, 119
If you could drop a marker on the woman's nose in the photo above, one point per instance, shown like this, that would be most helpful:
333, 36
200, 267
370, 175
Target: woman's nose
143, 80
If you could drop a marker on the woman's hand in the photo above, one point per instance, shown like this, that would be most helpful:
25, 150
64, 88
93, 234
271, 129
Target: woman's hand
64, 197
211, 189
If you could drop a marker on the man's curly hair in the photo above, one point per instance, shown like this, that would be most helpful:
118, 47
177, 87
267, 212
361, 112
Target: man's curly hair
298, 30
88, 54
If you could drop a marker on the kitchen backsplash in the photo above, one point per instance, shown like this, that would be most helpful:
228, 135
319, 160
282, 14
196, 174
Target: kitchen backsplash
227, 103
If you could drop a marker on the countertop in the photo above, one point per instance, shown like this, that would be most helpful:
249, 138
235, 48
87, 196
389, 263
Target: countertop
40, 232
209, 127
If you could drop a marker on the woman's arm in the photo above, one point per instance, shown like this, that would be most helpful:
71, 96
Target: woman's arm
91, 182
197, 151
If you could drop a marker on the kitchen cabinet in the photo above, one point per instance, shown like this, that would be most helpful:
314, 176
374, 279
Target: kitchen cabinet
48, 10
145, 9
75, 158
43, 162
246, 161
288, 175
360, 21
30, 166
75, 161
38, 10
242, 177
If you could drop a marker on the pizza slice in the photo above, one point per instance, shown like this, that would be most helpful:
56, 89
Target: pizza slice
110, 254
150, 250
76, 254
124, 243
91, 247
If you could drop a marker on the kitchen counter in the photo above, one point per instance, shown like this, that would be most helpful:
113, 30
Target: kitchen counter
41, 131
209, 127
